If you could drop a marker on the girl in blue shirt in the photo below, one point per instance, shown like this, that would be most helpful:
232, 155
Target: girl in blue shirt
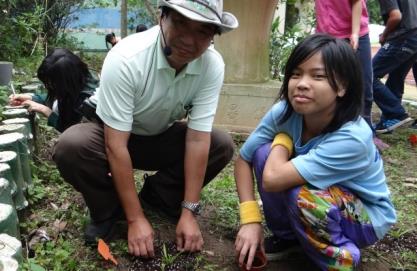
318, 172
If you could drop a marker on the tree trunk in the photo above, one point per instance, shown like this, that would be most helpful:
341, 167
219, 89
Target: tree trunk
123, 19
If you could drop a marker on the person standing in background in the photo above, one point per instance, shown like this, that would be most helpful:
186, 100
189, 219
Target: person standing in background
348, 19
414, 125
395, 59
112, 39
141, 28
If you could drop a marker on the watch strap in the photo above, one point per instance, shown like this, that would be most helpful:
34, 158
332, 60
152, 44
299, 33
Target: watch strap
194, 207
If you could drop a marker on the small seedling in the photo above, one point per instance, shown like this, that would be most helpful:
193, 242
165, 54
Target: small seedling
168, 259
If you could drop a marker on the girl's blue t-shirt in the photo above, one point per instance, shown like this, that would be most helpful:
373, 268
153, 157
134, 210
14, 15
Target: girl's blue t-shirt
346, 157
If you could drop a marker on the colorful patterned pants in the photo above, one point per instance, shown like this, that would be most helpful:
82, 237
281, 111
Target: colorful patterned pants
331, 225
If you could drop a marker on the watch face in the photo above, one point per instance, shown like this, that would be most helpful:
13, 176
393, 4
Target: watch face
197, 209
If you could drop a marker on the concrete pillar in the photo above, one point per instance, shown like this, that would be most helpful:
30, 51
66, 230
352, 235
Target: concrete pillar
247, 93
246, 49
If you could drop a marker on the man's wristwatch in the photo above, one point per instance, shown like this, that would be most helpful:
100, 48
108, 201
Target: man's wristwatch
194, 207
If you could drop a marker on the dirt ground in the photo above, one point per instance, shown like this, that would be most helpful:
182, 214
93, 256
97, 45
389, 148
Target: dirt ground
219, 251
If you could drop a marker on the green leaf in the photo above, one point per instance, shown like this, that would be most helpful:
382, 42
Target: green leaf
36, 267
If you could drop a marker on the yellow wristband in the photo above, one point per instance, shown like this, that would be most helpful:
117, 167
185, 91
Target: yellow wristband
249, 212
283, 140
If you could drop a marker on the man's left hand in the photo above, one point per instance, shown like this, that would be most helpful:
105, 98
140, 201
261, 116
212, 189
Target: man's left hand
188, 234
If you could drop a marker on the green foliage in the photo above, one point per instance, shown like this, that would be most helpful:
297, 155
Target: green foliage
43, 173
94, 60
297, 26
20, 32
145, 11
374, 12
167, 258
29, 27
4, 94
65, 40
53, 255
31, 265
220, 196
281, 46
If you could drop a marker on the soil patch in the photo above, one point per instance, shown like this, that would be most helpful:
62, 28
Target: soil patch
167, 258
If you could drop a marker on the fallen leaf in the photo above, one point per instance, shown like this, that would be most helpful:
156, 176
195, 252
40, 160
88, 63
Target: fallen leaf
54, 206
65, 205
410, 185
60, 225
392, 161
104, 251
413, 139
208, 252
36, 236
411, 180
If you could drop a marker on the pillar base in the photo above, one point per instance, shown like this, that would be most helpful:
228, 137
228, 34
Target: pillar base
242, 106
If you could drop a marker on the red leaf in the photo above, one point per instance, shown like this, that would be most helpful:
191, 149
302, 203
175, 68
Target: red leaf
413, 139
104, 251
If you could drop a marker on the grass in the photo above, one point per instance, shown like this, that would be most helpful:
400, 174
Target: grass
400, 163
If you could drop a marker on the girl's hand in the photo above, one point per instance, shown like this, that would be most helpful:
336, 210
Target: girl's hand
18, 99
249, 238
36, 107
354, 41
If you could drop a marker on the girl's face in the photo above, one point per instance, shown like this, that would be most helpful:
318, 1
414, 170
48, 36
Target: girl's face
309, 91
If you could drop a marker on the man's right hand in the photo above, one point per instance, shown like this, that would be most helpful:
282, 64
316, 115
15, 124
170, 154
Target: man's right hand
140, 237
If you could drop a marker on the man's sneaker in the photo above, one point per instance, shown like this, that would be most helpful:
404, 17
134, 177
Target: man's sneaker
104, 230
388, 125
277, 249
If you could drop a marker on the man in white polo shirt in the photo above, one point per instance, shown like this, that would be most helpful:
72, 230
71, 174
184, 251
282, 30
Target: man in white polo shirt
158, 95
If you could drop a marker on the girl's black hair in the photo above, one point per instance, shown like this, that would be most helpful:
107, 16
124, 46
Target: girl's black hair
343, 71
108, 39
64, 76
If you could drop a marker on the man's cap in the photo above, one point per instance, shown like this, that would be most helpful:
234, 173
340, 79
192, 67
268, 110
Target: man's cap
205, 11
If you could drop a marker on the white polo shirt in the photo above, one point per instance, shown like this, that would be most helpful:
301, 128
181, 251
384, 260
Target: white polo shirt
140, 93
